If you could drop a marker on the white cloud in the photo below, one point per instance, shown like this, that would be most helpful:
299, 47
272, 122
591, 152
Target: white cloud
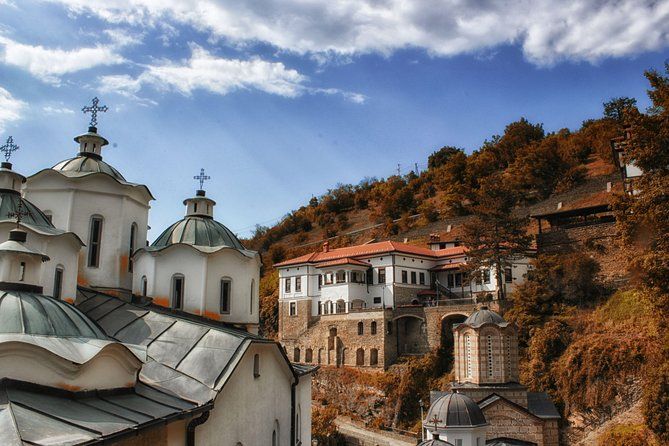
49, 64
49, 110
11, 109
205, 71
548, 31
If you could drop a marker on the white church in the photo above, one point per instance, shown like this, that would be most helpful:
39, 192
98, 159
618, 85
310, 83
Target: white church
107, 339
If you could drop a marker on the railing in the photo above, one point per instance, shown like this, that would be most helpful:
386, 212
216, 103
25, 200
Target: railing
451, 302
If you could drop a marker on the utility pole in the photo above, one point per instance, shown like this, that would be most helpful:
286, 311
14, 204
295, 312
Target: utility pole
415, 170
398, 170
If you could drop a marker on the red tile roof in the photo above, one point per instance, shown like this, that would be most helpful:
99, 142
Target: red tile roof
344, 261
371, 249
447, 266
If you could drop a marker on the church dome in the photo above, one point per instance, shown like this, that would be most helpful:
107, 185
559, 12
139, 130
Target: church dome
9, 204
455, 410
198, 231
484, 316
87, 164
35, 314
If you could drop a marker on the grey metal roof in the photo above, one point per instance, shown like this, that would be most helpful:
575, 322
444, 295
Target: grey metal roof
304, 369
19, 248
186, 358
36, 415
83, 164
197, 231
484, 316
36, 314
435, 442
541, 405
503, 441
455, 409
9, 203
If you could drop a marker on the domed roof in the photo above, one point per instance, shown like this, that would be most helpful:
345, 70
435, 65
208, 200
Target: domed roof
198, 231
484, 316
35, 314
9, 203
455, 409
86, 164
435, 442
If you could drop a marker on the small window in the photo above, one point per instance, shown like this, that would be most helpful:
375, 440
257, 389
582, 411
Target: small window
508, 275
298, 284
252, 300
451, 282
370, 276
308, 355
292, 309
58, 283
382, 275
421, 278
458, 442
458, 279
372, 328
319, 309
413, 277
178, 291
133, 236
22, 271
226, 288
256, 365
390, 327
145, 286
341, 277
405, 277
361, 328
373, 357
360, 357
94, 242
296, 354
320, 281
287, 285
486, 276
377, 300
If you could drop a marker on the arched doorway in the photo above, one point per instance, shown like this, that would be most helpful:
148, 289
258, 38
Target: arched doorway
411, 335
446, 347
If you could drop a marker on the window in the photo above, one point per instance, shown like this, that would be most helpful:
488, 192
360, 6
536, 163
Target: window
372, 328
404, 277
508, 275
382, 275
133, 236
361, 328
145, 286
58, 283
468, 355
298, 284
451, 283
309, 355
287, 285
341, 276
360, 357
377, 300
490, 357
292, 309
458, 279
256, 365
22, 271
320, 308
486, 276
320, 281
421, 278
413, 277
226, 288
370, 276
177, 291
458, 442
373, 357
390, 327
296, 354
94, 241
253, 293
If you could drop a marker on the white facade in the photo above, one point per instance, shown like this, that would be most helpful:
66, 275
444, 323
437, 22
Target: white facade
75, 197
460, 436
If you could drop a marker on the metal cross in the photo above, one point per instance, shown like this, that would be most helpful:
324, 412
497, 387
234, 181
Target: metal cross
19, 214
93, 110
202, 177
435, 420
9, 148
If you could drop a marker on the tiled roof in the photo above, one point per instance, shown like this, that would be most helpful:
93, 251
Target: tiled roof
372, 249
447, 267
344, 261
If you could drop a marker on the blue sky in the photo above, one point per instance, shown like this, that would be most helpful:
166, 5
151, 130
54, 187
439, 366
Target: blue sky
282, 99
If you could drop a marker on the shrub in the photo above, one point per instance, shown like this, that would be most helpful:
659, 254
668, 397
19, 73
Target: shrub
627, 435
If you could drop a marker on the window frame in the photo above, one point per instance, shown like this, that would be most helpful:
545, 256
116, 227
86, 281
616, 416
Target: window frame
287, 284
94, 243
414, 279
292, 308
182, 291
133, 243
222, 297
405, 276
58, 275
298, 284
421, 278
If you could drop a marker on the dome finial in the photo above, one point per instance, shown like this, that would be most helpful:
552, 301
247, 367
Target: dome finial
93, 110
201, 178
8, 148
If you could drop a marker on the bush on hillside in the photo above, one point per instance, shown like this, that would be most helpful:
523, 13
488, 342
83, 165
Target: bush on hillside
627, 435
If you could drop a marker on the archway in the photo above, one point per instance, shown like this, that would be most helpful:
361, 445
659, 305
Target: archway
411, 335
446, 347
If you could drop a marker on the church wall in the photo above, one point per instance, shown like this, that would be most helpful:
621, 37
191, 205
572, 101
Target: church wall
508, 421
303, 404
238, 417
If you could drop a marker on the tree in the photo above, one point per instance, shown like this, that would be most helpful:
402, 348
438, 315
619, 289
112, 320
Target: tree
616, 108
442, 156
495, 237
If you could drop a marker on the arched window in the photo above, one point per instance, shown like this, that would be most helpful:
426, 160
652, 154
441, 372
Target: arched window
490, 356
252, 300
95, 241
308, 355
256, 365
373, 357
58, 282
178, 287
296, 354
468, 355
276, 438
361, 328
145, 286
372, 328
226, 291
360, 357
320, 355
133, 237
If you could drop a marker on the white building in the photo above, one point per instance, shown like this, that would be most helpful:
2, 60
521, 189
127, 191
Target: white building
199, 266
386, 275
87, 196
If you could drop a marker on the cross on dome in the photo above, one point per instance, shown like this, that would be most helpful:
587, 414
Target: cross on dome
8, 148
435, 421
202, 178
93, 110
19, 214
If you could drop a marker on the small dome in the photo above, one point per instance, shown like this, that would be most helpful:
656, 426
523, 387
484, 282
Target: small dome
484, 316
35, 314
9, 203
455, 409
198, 231
86, 164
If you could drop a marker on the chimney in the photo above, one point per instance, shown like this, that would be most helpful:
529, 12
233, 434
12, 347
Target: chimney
559, 205
609, 186
448, 228
406, 240
326, 246
434, 237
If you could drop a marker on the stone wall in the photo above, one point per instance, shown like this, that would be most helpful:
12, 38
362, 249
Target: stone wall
292, 327
509, 421
404, 295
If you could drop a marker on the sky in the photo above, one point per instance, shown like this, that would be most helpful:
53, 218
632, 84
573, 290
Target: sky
280, 100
